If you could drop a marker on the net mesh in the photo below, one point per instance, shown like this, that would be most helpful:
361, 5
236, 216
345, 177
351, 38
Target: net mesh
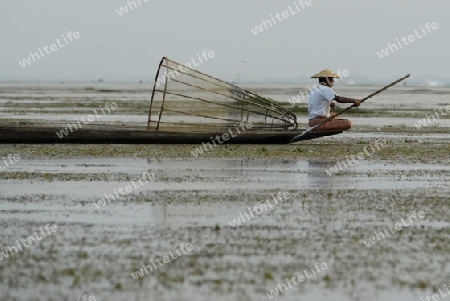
184, 99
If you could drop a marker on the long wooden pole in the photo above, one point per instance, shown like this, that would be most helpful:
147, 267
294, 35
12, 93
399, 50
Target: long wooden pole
350, 107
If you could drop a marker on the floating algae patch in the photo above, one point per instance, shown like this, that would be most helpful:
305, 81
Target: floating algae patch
418, 148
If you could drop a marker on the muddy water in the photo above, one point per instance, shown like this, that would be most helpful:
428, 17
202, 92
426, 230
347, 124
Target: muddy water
193, 201
326, 219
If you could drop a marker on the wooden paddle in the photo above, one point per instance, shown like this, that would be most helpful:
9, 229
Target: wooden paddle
350, 107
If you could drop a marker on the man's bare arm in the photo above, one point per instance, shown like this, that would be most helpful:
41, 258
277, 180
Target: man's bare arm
342, 99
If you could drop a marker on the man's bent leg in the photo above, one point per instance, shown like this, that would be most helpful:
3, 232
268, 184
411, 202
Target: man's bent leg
332, 125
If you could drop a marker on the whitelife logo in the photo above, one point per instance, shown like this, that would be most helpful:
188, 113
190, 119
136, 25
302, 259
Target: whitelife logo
31, 240
281, 287
140, 273
109, 107
49, 49
303, 95
429, 119
265, 24
437, 297
124, 9
380, 235
10, 160
242, 218
123, 192
204, 147
182, 68
351, 160
391, 48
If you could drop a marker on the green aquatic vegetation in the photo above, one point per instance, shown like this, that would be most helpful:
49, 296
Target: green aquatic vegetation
118, 286
83, 255
177, 279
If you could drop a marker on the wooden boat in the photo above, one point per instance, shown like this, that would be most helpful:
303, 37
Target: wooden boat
188, 107
28, 132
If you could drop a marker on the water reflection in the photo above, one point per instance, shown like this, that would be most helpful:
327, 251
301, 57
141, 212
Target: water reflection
317, 174
258, 174
201, 214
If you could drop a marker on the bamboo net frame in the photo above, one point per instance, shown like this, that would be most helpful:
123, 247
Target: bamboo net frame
184, 99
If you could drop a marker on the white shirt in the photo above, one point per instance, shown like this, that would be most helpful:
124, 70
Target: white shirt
319, 101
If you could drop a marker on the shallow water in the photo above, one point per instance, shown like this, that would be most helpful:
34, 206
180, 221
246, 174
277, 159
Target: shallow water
218, 174
192, 197
194, 200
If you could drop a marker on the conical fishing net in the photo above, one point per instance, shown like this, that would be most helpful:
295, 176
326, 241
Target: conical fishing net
187, 100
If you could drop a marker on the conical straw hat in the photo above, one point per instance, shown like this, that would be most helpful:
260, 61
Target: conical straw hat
326, 73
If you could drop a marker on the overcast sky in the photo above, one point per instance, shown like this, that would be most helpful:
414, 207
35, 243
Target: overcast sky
345, 34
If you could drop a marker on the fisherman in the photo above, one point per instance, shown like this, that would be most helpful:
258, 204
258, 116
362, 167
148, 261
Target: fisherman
321, 99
